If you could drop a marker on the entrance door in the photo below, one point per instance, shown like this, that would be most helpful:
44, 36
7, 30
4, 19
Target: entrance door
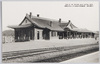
46, 34
38, 35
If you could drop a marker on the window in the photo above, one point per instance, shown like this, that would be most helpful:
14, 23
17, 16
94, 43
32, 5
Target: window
53, 33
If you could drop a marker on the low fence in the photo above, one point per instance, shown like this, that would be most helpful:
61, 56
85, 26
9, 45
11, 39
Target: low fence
8, 39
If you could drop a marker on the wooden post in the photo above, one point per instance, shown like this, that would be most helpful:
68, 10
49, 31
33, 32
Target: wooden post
81, 35
16, 36
67, 35
76, 35
29, 34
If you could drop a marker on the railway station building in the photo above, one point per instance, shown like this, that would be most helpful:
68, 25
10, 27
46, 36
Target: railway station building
38, 28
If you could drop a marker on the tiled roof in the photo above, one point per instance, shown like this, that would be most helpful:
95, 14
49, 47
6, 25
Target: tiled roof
62, 25
21, 26
80, 30
45, 23
72, 27
68, 25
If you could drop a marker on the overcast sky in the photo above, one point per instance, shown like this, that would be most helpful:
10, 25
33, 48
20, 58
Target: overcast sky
83, 17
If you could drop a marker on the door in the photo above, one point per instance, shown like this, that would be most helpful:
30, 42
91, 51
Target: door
46, 34
38, 35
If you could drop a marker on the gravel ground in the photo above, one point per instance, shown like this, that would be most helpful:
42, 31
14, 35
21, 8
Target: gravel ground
67, 57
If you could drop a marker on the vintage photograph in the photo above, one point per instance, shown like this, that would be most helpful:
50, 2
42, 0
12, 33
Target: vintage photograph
50, 32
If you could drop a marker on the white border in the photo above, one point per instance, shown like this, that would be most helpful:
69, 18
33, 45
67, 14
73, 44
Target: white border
38, 0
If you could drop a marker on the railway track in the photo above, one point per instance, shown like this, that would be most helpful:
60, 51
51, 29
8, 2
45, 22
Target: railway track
35, 52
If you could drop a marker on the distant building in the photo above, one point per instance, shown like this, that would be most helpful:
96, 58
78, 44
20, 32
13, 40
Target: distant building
36, 28
8, 36
8, 39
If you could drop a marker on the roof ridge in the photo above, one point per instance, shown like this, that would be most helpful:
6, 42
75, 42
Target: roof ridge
54, 20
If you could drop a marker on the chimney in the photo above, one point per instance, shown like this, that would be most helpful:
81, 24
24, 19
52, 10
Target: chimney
59, 20
30, 15
69, 21
37, 15
50, 23
26, 14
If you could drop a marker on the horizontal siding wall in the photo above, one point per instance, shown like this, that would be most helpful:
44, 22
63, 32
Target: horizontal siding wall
53, 35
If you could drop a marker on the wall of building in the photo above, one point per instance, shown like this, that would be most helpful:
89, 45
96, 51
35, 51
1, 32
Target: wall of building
53, 35
36, 34
26, 22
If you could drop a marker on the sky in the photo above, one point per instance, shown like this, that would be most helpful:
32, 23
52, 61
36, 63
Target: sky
13, 12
